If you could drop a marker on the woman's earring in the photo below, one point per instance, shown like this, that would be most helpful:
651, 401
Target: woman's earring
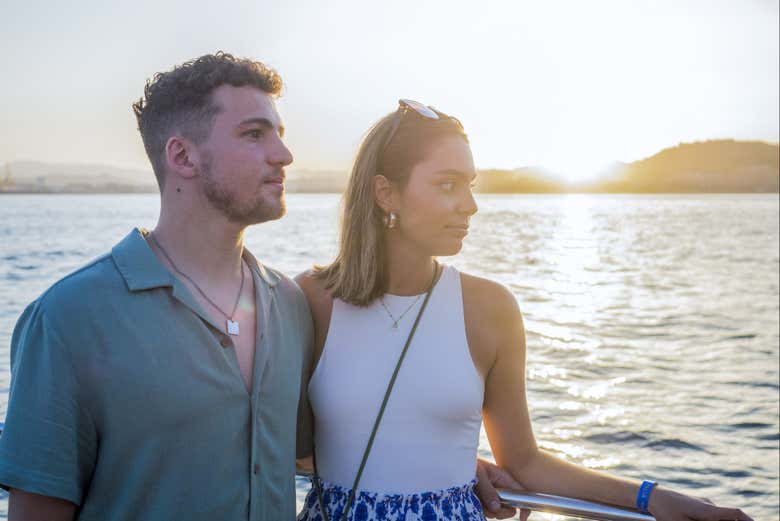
391, 220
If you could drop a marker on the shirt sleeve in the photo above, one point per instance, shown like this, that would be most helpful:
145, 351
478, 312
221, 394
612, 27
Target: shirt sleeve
49, 441
304, 440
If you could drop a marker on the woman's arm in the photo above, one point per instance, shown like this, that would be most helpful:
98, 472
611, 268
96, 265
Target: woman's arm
320, 305
508, 423
508, 426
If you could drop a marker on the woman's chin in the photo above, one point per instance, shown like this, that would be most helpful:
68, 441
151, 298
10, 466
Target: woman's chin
449, 249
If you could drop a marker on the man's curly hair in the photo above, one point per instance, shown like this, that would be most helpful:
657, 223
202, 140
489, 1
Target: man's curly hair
180, 100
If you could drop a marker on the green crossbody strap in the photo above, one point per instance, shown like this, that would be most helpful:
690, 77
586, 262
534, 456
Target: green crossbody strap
370, 443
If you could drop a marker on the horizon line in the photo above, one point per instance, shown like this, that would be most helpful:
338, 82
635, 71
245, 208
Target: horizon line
548, 170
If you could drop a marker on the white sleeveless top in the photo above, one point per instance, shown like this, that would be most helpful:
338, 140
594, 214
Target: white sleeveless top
428, 437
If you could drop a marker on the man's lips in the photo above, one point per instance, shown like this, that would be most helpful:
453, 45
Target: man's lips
279, 180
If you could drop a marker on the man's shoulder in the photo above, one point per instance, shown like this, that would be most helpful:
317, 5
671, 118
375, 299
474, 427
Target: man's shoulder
64, 311
94, 281
292, 296
280, 281
273, 273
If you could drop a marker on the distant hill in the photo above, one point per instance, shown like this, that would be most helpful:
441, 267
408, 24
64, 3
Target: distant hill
524, 180
533, 180
316, 181
35, 176
722, 166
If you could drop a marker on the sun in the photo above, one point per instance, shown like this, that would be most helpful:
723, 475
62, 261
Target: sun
575, 170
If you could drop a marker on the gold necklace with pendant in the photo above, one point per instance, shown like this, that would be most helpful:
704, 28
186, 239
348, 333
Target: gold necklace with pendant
231, 326
396, 320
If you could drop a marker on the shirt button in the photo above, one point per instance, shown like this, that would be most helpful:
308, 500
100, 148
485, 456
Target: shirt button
256, 469
225, 342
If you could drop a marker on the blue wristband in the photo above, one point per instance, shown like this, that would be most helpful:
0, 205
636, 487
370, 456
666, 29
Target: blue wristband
643, 497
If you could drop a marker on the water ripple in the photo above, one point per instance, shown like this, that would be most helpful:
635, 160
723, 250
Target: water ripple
652, 321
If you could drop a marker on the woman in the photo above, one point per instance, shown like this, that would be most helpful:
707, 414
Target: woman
409, 200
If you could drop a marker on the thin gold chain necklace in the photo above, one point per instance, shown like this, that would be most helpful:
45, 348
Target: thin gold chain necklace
397, 320
415, 301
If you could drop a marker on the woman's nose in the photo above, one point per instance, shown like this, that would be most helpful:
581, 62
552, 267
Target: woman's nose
469, 204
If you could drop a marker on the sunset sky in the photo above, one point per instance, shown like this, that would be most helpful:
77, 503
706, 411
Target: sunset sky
566, 85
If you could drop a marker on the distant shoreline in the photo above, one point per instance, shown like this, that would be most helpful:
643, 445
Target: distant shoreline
718, 167
572, 192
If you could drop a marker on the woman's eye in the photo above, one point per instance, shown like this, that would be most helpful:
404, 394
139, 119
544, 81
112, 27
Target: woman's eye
447, 187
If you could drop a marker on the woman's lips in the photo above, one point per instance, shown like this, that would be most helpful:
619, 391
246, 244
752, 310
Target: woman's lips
459, 229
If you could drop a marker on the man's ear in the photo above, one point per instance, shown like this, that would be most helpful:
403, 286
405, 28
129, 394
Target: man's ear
181, 157
383, 193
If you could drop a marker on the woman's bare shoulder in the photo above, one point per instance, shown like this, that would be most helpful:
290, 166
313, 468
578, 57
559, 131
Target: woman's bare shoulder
494, 324
488, 297
308, 281
493, 318
320, 300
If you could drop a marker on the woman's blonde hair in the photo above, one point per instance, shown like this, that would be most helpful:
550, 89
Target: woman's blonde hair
358, 274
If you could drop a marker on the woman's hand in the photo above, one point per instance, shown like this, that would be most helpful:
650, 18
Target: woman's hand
668, 505
304, 465
490, 477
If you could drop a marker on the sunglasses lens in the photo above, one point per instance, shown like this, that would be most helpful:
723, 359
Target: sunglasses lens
419, 108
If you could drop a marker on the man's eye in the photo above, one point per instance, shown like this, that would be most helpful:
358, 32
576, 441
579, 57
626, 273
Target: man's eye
254, 134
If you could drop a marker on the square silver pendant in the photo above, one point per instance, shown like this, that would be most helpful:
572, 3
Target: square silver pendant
232, 328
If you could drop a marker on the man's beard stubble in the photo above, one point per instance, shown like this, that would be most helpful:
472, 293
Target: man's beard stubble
225, 202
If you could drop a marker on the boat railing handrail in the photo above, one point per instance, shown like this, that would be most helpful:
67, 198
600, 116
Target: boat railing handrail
550, 504
569, 506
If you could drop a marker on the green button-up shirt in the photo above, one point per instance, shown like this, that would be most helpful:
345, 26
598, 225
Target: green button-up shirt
125, 401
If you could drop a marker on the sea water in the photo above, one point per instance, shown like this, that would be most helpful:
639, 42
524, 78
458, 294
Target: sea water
652, 322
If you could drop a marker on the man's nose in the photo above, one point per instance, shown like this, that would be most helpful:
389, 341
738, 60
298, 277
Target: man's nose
281, 155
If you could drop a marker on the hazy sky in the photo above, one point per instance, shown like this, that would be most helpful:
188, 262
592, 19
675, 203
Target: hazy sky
568, 85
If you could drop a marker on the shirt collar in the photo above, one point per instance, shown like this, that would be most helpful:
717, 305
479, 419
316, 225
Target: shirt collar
269, 277
142, 270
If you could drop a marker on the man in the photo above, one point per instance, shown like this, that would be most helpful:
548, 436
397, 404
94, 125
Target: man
161, 380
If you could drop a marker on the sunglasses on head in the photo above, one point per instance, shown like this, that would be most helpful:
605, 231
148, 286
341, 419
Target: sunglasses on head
406, 106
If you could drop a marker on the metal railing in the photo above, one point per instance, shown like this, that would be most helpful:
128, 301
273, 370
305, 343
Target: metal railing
568, 506
550, 504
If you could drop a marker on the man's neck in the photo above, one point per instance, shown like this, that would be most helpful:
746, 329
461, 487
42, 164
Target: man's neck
203, 247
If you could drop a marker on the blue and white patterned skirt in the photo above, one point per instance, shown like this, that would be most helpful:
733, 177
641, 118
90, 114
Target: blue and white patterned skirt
453, 504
